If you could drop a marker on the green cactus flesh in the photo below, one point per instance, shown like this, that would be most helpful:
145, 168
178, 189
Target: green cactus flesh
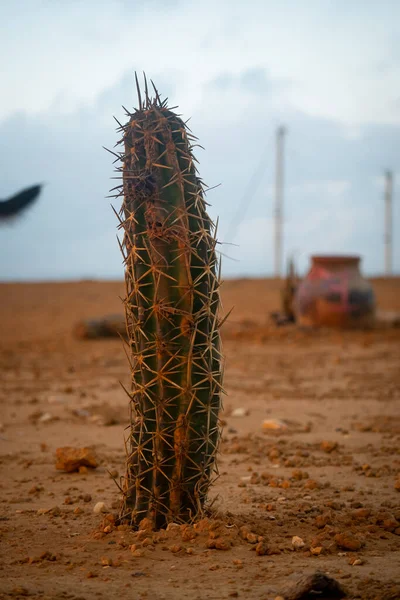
171, 308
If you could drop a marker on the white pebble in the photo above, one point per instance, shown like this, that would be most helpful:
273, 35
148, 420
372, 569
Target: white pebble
240, 412
46, 418
297, 542
100, 507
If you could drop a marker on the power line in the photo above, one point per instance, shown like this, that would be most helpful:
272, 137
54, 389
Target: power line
249, 193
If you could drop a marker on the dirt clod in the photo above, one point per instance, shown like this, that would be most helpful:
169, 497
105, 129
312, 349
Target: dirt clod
71, 459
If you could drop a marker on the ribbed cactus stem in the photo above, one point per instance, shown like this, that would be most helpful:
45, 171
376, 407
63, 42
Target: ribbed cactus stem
171, 307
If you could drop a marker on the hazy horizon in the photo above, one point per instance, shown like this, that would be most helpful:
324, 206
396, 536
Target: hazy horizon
327, 71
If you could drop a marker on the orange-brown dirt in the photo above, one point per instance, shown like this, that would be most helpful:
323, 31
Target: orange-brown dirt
330, 476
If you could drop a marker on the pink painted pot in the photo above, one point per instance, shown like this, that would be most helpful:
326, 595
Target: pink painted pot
335, 294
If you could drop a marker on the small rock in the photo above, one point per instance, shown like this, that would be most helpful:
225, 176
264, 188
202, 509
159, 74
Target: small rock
42, 511
78, 511
274, 424
240, 412
146, 525
361, 513
328, 446
100, 507
71, 459
310, 484
91, 574
347, 541
355, 561
322, 520
47, 418
87, 498
315, 585
222, 544
20, 591
262, 548
397, 485
297, 542
317, 550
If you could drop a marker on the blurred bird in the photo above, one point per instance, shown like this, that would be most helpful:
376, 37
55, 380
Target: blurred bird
13, 206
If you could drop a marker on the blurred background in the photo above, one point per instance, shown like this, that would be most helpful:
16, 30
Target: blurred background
329, 72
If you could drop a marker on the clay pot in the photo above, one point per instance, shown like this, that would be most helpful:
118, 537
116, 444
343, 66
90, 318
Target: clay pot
335, 294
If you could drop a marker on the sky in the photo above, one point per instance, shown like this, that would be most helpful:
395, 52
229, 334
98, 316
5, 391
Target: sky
328, 70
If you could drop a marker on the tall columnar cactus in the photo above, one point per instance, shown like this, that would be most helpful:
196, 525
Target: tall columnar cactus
171, 307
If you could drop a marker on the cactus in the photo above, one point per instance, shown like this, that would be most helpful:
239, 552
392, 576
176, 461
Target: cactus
171, 309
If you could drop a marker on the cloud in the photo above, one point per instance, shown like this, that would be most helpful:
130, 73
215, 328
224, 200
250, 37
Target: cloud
331, 201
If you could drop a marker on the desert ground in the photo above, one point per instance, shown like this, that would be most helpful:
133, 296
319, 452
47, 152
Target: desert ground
321, 492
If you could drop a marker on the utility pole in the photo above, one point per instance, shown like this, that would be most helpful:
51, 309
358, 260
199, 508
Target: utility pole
388, 221
280, 133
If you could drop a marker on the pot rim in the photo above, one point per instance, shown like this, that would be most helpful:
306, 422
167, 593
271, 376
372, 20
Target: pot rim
335, 258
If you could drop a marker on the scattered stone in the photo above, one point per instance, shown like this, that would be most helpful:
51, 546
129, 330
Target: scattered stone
87, 498
20, 591
240, 412
397, 485
78, 511
221, 543
274, 424
347, 541
104, 327
262, 548
317, 550
42, 511
328, 446
47, 418
316, 585
298, 475
355, 561
72, 459
297, 542
91, 574
361, 513
310, 484
146, 525
322, 520
100, 507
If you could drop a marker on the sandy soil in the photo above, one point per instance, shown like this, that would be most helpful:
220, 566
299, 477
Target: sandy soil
329, 477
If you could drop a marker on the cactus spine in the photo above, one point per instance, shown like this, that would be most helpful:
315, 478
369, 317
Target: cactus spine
171, 308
